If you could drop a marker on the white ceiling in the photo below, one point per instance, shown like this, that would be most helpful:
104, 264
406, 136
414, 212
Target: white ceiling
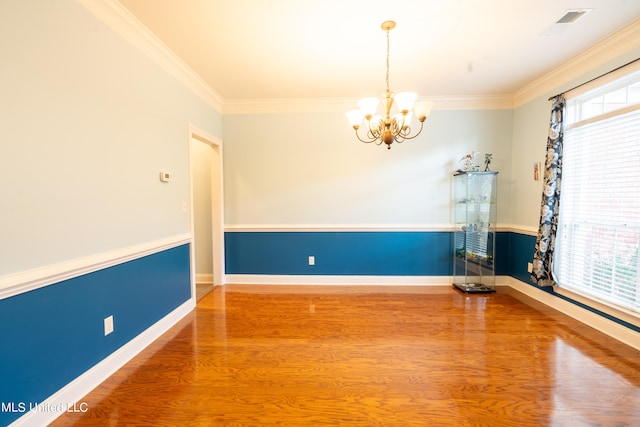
309, 49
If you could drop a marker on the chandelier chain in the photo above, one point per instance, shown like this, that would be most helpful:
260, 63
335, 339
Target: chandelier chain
388, 38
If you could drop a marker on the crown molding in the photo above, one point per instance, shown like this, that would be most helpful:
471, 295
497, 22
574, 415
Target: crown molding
118, 18
340, 105
613, 47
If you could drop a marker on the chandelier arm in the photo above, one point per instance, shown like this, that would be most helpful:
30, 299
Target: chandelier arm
375, 133
404, 137
373, 139
396, 127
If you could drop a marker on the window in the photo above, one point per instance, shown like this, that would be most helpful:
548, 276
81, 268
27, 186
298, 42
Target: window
598, 235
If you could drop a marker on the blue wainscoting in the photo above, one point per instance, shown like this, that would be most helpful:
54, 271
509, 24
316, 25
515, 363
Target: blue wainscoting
520, 249
52, 335
370, 253
383, 253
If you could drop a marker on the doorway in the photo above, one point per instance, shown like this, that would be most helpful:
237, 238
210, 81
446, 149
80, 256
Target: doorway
207, 221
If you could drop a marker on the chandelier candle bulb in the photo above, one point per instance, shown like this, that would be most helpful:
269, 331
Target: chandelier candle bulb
355, 118
422, 109
368, 106
389, 129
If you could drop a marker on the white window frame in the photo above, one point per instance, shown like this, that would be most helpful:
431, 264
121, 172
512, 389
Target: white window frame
575, 118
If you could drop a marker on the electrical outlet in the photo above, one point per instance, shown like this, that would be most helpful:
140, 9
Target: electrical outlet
529, 267
108, 325
312, 260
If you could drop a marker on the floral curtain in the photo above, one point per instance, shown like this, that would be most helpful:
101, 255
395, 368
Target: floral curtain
545, 244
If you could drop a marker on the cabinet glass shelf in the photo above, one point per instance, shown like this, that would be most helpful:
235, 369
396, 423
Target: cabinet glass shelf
474, 216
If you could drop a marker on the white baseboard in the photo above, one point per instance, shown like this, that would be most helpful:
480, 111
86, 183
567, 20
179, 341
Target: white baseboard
71, 395
602, 324
206, 279
272, 279
269, 279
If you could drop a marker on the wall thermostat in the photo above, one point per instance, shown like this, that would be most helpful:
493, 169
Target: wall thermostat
165, 176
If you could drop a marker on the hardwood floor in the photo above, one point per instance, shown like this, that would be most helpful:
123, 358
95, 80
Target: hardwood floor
379, 356
203, 289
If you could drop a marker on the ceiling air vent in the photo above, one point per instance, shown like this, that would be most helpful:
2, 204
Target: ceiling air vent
559, 27
572, 16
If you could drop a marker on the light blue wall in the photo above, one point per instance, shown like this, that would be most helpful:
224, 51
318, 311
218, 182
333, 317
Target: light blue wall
308, 168
88, 123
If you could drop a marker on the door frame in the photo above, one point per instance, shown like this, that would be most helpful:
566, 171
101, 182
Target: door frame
217, 206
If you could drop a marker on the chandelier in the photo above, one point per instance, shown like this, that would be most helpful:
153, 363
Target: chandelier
389, 129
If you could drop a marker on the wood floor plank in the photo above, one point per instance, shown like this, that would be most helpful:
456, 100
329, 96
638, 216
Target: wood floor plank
372, 356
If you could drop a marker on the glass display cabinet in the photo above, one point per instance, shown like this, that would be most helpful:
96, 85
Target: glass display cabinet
474, 216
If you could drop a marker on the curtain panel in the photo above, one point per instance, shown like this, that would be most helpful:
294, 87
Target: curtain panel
543, 256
